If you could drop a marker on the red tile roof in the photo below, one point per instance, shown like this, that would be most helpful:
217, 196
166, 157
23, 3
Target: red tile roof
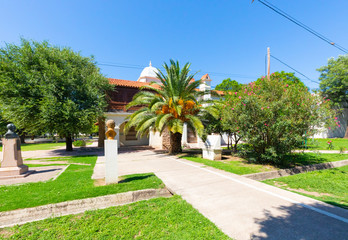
128, 83
205, 76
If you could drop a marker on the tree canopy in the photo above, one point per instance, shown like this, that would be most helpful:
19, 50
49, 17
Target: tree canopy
45, 88
229, 85
334, 80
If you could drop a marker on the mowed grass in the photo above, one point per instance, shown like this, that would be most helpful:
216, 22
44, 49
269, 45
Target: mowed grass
329, 185
301, 159
42, 146
321, 143
241, 166
74, 183
161, 218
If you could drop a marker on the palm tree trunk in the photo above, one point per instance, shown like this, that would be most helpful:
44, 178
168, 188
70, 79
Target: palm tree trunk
175, 143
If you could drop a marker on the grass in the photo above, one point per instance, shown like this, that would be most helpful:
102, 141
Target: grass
300, 159
74, 183
241, 166
328, 185
160, 218
321, 143
42, 146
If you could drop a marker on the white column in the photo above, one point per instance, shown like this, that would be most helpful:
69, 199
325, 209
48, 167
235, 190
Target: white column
111, 171
184, 135
117, 130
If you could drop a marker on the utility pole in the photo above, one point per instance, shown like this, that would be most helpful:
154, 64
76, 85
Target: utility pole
268, 63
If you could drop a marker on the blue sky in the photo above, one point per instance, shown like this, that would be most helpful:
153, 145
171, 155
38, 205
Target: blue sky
222, 38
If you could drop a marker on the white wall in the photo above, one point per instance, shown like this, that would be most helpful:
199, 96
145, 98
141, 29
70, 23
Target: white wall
120, 119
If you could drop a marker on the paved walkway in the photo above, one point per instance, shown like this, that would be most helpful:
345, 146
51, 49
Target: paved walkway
241, 207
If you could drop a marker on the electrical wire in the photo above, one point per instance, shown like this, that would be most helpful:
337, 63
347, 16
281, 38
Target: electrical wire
302, 25
134, 66
294, 69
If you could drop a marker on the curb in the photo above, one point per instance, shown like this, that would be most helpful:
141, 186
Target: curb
296, 170
21, 216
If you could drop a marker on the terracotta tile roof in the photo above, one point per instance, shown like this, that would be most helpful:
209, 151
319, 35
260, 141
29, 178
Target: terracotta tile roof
205, 76
219, 92
128, 83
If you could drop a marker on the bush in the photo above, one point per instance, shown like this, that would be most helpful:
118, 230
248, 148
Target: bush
275, 115
79, 143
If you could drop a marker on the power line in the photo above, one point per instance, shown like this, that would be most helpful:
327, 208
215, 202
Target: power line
293, 69
302, 25
134, 66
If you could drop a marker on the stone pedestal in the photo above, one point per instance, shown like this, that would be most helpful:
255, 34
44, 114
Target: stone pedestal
12, 163
111, 170
212, 148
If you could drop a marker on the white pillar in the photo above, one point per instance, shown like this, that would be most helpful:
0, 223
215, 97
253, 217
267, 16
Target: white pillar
184, 135
117, 130
111, 171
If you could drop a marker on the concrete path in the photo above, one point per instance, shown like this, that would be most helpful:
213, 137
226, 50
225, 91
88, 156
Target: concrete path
241, 207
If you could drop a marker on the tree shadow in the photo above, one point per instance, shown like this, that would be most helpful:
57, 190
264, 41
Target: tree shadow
299, 222
135, 178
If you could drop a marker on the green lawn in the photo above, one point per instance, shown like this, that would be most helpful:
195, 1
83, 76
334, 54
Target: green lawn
321, 143
160, 218
300, 159
326, 185
242, 166
42, 146
74, 183
238, 167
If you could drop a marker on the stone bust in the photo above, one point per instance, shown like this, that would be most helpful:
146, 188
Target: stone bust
11, 131
110, 133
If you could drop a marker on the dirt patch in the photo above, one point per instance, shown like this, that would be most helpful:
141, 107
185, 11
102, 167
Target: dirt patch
6, 233
315, 194
99, 182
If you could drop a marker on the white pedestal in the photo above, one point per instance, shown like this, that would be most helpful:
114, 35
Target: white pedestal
111, 171
212, 148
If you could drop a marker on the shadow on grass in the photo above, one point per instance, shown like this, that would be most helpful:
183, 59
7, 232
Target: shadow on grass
301, 159
299, 222
135, 178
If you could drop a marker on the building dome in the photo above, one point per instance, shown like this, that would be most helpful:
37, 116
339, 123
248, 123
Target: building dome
148, 73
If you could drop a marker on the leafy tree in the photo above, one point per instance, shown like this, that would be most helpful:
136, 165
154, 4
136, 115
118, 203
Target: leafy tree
285, 77
229, 85
273, 116
167, 106
334, 82
44, 88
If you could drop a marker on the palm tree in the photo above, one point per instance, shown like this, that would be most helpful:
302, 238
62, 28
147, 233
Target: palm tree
167, 106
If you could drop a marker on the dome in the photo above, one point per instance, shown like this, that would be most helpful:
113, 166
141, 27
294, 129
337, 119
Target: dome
149, 72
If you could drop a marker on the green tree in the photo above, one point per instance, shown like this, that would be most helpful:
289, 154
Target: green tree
285, 77
334, 82
44, 88
274, 116
229, 85
167, 106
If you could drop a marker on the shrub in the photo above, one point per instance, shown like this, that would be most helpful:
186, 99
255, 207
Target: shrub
274, 115
79, 143
330, 145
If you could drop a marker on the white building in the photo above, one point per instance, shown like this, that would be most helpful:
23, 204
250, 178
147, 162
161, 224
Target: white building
125, 90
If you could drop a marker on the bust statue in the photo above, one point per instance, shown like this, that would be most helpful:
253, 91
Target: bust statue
110, 133
11, 131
